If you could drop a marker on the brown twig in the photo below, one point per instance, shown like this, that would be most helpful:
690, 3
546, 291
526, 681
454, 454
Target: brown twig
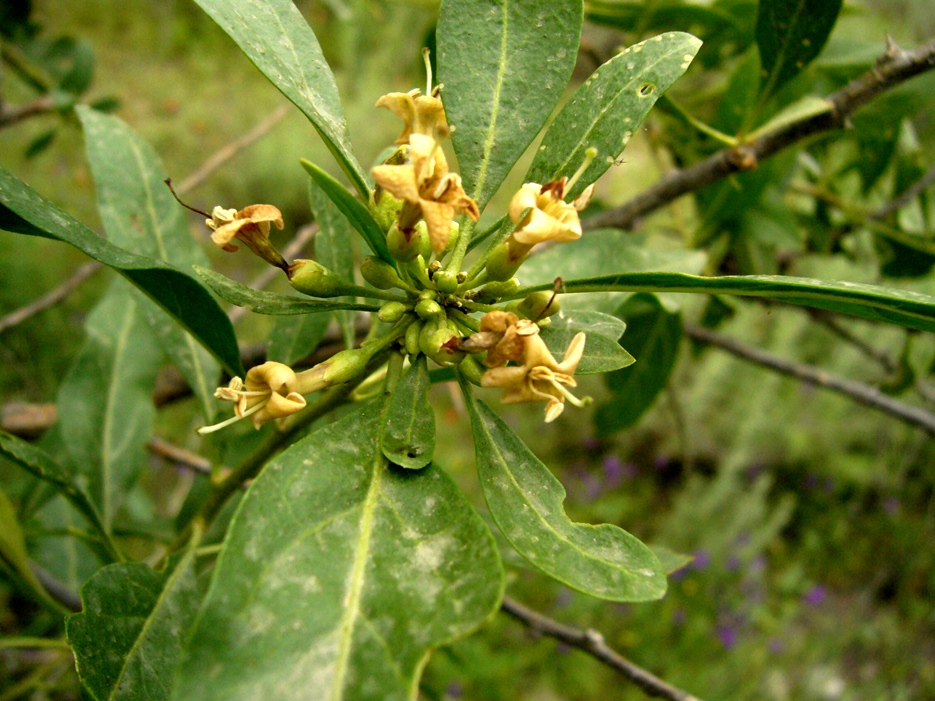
911, 192
10, 115
894, 67
180, 456
858, 391
592, 642
218, 159
830, 322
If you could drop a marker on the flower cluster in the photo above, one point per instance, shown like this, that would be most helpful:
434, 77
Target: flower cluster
477, 321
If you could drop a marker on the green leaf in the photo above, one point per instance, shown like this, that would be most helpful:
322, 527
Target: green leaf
70, 560
333, 249
263, 302
41, 465
24, 211
604, 252
606, 111
525, 500
275, 37
409, 434
504, 64
670, 560
296, 337
790, 33
808, 106
338, 575
602, 353
352, 208
13, 550
652, 336
105, 403
128, 638
140, 215
891, 306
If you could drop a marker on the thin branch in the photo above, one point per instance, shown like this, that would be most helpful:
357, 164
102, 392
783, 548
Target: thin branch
592, 642
10, 115
214, 162
56, 589
858, 391
180, 456
51, 298
906, 197
224, 154
893, 68
831, 323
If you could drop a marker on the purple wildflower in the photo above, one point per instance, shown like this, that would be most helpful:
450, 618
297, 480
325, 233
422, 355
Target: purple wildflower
815, 596
727, 636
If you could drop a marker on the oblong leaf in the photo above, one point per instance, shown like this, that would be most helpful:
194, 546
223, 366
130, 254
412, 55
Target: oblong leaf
653, 335
140, 215
504, 64
263, 302
909, 309
338, 575
105, 403
352, 208
24, 211
13, 552
789, 34
607, 109
525, 500
41, 465
409, 435
602, 353
295, 337
128, 637
276, 38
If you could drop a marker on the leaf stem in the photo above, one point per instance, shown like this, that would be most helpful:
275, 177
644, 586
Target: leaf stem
715, 134
457, 256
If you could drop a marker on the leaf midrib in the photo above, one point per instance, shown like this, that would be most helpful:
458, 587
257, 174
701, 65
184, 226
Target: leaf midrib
495, 106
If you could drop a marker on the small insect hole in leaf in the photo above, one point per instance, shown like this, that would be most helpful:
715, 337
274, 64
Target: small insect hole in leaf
647, 89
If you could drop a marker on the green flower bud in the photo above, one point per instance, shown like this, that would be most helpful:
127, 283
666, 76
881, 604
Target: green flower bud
428, 294
412, 338
472, 370
446, 281
311, 278
429, 309
408, 246
505, 259
386, 210
452, 237
493, 291
439, 341
379, 273
538, 305
391, 312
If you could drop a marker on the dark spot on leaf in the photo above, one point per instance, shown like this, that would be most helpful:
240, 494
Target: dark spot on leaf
647, 89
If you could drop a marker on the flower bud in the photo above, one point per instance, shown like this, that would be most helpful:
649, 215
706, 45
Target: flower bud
406, 246
505, 259
386, 209
538, 305
452, 238
493, 291
446, 282
412, 338
472, 370
311, 278
391, 312
379, 273
439, 341
429, 309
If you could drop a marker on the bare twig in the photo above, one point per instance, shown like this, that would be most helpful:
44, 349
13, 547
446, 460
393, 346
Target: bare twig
911, 192
894, 67
858, 391
56, 589
592, 642
10, 115
178, 455
224, 154
828, 320
295, 246
50, 298
218, 159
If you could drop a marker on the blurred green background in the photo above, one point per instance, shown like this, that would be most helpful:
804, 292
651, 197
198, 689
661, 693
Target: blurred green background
811, 520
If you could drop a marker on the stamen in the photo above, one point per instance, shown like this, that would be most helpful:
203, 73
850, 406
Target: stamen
428, 70
589, 155
168, 181
580, 403
428, 168
204, 430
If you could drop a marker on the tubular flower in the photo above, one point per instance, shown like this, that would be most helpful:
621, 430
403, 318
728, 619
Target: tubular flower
540, 378
428, 189
502, 335
271, 391
548, 217
251, 226
423, 114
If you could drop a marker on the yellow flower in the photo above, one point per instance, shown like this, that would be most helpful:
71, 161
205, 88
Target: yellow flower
428, 189
251, 226
540, 378
423, 114
502, 335
549, 217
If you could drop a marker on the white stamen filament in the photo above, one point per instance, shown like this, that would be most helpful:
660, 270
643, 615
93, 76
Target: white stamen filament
583, 402
589, 155
234, 419
428, 70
